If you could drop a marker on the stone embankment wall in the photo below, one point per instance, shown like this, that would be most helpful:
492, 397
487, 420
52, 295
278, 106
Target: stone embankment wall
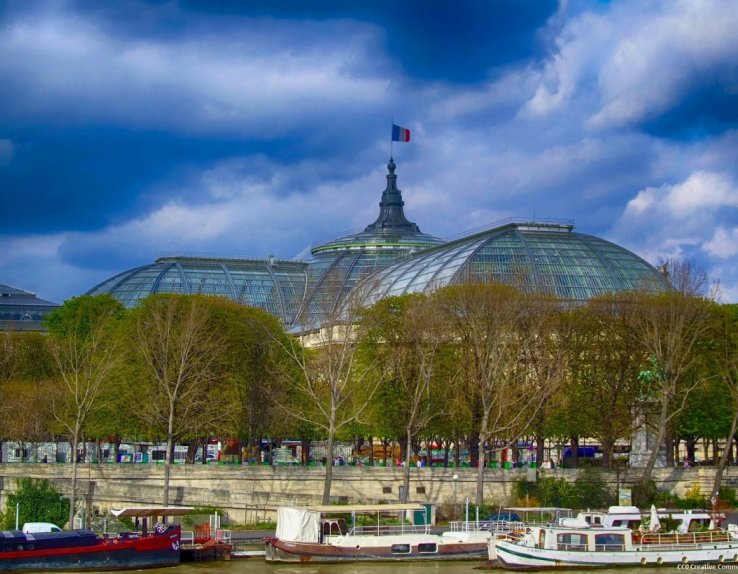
249, 494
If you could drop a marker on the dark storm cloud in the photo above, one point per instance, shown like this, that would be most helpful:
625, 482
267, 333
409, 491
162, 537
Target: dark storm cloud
709, 109
433, 39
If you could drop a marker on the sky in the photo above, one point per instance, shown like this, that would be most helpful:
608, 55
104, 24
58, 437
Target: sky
132, 129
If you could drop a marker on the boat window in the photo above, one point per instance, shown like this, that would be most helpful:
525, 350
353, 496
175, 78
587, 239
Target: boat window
430, 547
572, 541
400, 549
610, 541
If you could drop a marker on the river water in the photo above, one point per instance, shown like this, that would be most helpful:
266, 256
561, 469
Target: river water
258, 566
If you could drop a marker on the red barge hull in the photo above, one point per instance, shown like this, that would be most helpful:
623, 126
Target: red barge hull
83, 550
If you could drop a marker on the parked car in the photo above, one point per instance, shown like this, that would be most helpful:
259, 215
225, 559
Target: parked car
36, 527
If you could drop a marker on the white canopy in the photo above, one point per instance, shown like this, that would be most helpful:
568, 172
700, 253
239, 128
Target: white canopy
148, 511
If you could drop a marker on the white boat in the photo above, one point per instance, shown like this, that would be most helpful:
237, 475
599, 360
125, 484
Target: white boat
312, 534
574, 543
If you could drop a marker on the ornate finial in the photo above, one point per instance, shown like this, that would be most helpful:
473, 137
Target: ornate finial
391, 215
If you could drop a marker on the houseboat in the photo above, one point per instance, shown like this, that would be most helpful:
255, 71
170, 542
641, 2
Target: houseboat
575, 543
322, 534
84, 550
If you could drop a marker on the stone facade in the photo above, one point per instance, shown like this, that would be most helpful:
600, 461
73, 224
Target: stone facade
250, 494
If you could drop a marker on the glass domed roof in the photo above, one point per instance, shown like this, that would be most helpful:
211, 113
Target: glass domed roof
338, 265
538, 257
277, 287
398, 258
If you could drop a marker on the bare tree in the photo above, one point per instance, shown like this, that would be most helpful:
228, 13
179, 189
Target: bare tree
86, 354
177, 351
326, 388
497, 357
670, 326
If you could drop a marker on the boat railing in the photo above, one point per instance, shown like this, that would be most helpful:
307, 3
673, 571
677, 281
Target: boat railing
187, 537
609, 547
572, 547
222, 536
693, 538
486, 525
388, 529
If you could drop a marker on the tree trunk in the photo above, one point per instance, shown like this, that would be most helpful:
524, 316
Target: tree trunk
669, 450
169, 453
607, 448
73, 495
483, 436
574, 451
540, 449
406, 470
305, 452
328, 469
724, 458
658, 440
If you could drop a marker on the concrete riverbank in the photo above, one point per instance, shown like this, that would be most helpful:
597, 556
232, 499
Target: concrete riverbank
250, 493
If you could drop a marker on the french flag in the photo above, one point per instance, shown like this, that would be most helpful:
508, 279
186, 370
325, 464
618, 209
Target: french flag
400, 134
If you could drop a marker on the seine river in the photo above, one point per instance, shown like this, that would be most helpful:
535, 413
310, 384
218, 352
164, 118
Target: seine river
257, 566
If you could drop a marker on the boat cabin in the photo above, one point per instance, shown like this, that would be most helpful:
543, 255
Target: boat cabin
581, 537
631, 517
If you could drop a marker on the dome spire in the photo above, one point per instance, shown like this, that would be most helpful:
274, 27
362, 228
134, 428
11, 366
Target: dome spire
391, 213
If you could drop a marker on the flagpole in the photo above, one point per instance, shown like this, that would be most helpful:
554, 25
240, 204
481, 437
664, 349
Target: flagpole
392, 125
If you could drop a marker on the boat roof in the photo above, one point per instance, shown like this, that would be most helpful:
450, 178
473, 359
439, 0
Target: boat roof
153, 511
366, 507
537, 509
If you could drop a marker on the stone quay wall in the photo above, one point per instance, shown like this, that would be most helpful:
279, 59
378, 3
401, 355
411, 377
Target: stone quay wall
250, 494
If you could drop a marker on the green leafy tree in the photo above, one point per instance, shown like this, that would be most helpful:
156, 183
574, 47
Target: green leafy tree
406, 336
670, 327
85, 353
176, 357
726, 339
37, 501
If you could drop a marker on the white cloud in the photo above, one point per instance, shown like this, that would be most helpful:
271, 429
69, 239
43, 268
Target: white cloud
692, 219
656, 59
633, 60
701, 192
724, 243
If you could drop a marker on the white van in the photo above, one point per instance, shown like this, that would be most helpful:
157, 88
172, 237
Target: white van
36, 527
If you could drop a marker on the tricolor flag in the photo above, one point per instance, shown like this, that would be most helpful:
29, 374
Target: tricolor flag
400, 134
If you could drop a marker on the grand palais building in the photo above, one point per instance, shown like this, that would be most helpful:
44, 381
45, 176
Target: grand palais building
393, 256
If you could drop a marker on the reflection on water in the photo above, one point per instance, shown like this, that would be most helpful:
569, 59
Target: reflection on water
258, 566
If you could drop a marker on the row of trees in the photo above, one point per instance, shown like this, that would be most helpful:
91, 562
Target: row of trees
485, 364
